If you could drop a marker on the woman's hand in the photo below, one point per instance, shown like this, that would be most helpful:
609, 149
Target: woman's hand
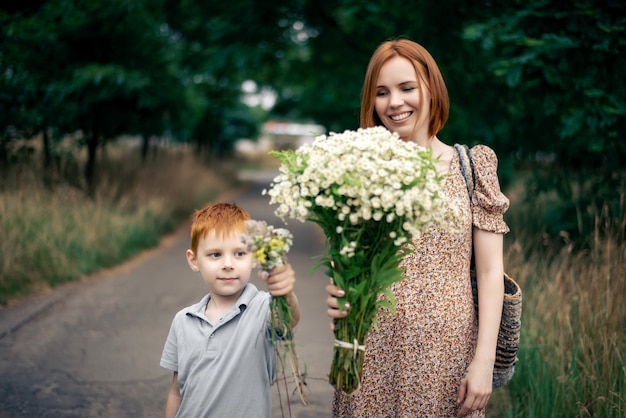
476, 387
333, 304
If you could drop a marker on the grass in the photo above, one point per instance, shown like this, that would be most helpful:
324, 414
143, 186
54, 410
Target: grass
51, 237
572, 359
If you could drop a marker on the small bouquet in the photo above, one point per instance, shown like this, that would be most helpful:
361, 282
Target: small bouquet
270, 246
371, 193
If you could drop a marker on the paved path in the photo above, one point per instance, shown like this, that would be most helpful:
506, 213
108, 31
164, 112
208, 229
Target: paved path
92, 349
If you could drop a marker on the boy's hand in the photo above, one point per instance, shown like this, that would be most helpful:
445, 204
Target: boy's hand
280, 281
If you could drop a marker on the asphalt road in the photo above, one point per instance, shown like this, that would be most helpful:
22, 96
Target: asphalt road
92, 349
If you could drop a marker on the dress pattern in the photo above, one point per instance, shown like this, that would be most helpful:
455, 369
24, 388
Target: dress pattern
415, 360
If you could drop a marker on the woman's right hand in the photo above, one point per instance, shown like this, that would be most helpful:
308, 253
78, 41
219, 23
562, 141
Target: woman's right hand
333, 304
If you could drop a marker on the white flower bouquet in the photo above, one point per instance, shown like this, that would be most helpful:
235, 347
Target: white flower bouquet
269, 246
371, 193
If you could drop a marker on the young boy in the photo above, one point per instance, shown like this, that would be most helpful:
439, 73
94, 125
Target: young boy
220, 349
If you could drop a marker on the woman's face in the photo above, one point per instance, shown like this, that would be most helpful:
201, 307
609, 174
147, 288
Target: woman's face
402, 102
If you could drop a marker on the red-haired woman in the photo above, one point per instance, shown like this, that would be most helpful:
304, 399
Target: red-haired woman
432, 357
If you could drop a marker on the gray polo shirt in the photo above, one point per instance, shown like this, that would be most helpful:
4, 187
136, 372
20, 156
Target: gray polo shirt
224, 369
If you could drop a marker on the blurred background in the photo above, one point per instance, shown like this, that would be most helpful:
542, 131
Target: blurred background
119, 117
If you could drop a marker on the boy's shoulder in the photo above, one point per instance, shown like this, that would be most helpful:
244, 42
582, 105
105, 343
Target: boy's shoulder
251, 293
253, 298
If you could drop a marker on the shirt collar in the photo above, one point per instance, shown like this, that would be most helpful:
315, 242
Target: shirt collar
243, 301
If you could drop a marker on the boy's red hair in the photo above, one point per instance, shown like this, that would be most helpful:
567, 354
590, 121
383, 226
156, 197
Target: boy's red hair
223, 218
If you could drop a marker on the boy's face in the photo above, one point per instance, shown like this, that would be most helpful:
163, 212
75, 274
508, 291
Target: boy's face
224, 264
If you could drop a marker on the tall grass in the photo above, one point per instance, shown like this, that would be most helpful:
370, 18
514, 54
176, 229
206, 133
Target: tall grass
54, 236
572, 359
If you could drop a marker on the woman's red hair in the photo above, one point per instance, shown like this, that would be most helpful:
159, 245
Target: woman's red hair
427, 70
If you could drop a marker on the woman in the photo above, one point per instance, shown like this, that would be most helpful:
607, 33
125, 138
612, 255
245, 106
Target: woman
432, 357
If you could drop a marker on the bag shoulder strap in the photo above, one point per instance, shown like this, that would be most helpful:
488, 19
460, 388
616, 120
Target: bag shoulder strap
467, 168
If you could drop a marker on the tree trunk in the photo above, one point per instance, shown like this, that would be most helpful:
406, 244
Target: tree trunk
145, 147
199, 145
90, 165
4, 160
48, 169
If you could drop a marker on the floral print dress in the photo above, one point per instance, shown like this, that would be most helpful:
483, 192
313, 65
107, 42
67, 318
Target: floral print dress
416, 359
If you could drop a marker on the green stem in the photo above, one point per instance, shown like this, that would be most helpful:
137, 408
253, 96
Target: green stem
378, 271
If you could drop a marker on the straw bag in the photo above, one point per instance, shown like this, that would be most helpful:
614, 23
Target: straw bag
510, 324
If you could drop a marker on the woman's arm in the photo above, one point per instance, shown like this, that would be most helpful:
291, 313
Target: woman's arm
488, 249
476, 387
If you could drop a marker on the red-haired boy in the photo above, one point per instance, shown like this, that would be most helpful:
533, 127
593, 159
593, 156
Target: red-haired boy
220, 348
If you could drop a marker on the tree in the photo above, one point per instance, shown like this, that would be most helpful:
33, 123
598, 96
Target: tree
100, 68
563, 66
224, 44
538, 81
324, 75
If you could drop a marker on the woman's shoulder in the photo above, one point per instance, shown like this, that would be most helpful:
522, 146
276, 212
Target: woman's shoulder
483, 153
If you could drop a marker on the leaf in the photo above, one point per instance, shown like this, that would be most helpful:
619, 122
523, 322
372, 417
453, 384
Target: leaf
388, 302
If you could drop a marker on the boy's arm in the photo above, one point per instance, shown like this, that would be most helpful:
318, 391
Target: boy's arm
280, 282
173, 398
292, 299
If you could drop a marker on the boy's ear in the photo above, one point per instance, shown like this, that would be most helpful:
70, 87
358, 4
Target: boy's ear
192, 260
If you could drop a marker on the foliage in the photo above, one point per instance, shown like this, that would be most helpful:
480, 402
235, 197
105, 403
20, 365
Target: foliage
566, 102
224, 44
106, 68
539, 81
78, 77
567, 60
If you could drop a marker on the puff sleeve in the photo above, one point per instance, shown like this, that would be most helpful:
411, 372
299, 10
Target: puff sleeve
489, 202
